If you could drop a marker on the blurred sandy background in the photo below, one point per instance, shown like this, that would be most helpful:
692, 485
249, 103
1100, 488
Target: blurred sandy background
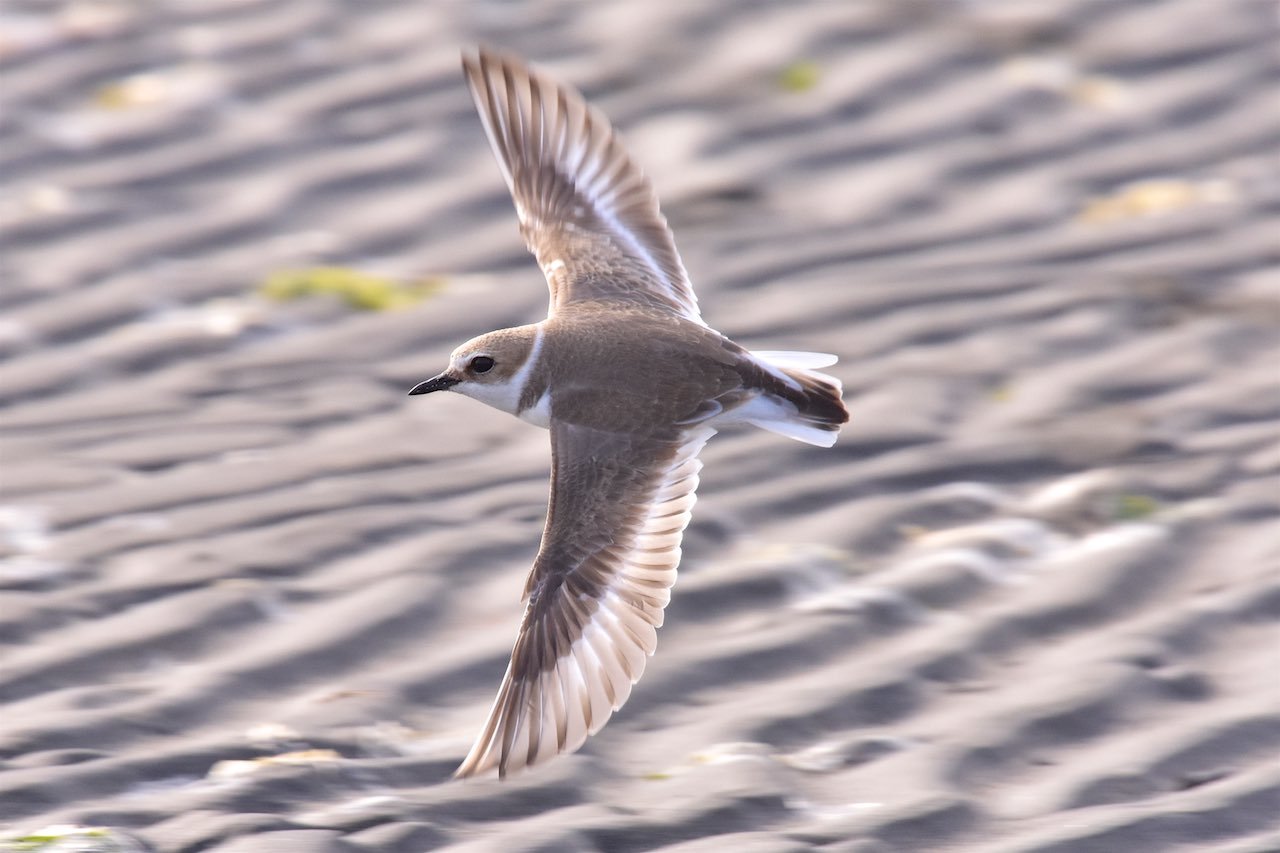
254, 598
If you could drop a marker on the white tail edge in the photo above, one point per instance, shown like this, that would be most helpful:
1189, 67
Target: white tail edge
802, 360
800, 431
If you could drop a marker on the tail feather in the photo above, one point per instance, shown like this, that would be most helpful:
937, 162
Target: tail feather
817, 410
821, 404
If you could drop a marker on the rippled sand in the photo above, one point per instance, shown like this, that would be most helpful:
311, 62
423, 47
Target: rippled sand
253, 597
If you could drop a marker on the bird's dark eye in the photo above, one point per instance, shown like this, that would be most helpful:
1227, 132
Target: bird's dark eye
482, 364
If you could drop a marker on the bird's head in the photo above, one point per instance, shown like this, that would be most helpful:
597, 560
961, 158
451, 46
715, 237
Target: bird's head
491, 368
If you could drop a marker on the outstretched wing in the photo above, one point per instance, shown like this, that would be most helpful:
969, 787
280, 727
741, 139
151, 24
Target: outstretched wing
587, 212
595, 597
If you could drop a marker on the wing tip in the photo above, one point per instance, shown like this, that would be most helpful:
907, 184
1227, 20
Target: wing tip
478, 64
473, 62
475, 55
481, 60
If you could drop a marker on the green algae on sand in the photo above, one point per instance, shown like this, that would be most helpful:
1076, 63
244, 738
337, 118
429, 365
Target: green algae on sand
359, 290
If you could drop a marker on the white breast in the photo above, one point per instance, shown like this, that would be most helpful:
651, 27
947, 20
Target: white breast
539, 414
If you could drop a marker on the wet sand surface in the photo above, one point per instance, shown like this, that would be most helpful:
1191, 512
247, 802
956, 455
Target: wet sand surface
254, 598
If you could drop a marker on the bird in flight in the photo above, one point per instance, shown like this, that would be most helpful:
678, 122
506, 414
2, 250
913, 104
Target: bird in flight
631, 382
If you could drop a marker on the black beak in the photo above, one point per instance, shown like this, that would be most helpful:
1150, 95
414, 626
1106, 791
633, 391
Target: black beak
442, 382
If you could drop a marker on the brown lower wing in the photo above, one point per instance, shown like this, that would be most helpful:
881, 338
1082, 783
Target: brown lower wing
595, 597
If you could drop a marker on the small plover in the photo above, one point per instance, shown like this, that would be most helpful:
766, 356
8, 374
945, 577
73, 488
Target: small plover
631, 382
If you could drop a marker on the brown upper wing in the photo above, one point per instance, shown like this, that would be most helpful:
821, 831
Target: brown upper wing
595, 597
587, 212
